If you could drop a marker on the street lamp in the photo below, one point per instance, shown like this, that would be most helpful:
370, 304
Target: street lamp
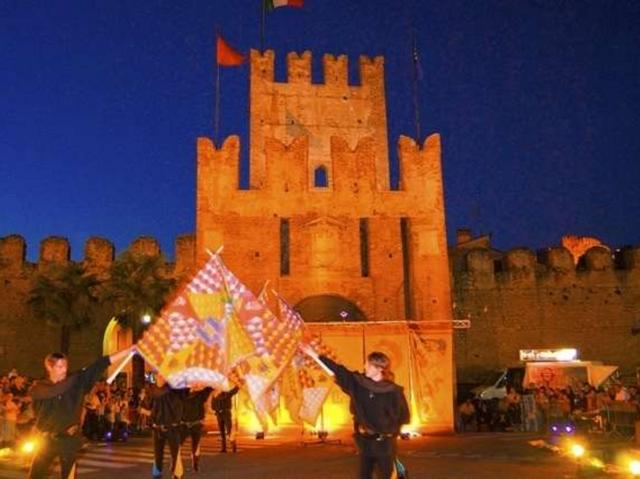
145, 319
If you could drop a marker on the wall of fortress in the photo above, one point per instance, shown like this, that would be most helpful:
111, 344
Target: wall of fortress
524, 301
527, 301
24, 340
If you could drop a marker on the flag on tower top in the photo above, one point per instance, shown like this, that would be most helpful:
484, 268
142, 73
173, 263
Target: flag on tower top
271, 4
226, 55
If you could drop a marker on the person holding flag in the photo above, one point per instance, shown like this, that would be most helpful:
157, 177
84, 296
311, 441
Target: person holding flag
57, 403
221, 405
193, 419
379, 409
167, 410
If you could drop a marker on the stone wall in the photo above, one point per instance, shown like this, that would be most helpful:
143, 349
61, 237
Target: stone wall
24, 340
531, 301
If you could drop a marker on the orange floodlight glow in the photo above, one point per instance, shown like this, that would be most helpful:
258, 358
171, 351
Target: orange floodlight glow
577, 450
29, 446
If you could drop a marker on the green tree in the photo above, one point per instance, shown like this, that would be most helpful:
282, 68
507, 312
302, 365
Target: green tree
64, 296
138, 285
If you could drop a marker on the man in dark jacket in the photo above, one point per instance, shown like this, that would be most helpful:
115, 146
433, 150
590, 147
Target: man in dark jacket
192, 420
379, 409
221, 405
167, 409
57, 405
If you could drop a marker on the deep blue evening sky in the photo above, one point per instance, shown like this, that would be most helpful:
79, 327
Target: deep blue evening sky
537, 102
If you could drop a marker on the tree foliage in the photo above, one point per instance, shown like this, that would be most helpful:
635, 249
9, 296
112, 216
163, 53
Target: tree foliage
65, 296
137, 285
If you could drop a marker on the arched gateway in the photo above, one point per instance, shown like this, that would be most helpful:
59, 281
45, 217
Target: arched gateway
328, 308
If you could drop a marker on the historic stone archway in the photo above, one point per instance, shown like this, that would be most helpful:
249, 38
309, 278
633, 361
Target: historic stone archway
115, 339
328, 308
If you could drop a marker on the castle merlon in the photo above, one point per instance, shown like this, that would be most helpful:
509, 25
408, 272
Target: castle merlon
335, 69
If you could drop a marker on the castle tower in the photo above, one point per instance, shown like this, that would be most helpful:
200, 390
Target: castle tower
320, 222
298, 108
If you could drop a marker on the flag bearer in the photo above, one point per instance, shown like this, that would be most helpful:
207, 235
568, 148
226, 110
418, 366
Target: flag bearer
221, 405
379, 409
57, 403
167, 407
192, 420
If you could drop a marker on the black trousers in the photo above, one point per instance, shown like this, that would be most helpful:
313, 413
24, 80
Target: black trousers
193, 431
160, 438
376, 455
64, 447
225, 425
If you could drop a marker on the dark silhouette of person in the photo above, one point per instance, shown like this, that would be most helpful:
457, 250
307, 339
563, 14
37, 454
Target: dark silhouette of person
221, 405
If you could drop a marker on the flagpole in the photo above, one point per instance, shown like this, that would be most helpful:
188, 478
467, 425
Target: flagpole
216, 119
263, 21
416, 102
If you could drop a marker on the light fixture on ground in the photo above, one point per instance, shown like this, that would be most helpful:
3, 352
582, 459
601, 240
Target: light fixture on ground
577, 450
634, 468
260, 435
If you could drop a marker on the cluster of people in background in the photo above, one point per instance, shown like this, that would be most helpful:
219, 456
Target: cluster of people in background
111, 412
537, 408
15, 414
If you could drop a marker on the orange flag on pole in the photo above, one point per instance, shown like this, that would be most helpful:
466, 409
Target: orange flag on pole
226, 55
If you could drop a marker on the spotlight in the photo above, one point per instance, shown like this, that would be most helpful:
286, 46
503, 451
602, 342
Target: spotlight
562, 428
634, 467
405, 435
28, 447
577, 450
260, 435
322, 434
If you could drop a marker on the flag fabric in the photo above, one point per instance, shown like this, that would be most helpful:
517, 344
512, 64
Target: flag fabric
307, 385
189, 342
275, 341
271, 4
199, 338
226, 55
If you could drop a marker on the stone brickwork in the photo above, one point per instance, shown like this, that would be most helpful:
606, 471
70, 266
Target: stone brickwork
296, 127
538, 301
24, 341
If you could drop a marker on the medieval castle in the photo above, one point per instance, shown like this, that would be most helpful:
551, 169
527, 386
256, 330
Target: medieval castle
321, 223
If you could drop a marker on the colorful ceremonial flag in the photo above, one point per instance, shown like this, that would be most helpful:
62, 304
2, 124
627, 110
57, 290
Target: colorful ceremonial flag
271, 4
189, 342
307, 385
205, 335
274, 340
226, 55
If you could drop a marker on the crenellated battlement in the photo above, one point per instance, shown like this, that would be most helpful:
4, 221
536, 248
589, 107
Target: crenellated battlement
351, 168
300, 65
523, 266
99, 254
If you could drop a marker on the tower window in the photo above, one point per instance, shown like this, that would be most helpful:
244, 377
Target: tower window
284, 247
320, 177
364, 247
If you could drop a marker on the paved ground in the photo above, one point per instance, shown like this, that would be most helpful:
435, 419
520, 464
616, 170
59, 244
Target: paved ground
477, 456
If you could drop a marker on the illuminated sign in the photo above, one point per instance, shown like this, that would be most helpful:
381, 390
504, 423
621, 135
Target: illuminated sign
565, 354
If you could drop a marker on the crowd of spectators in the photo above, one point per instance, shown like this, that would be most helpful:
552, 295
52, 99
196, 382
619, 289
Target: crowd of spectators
111, 412
538, 408
16, 416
